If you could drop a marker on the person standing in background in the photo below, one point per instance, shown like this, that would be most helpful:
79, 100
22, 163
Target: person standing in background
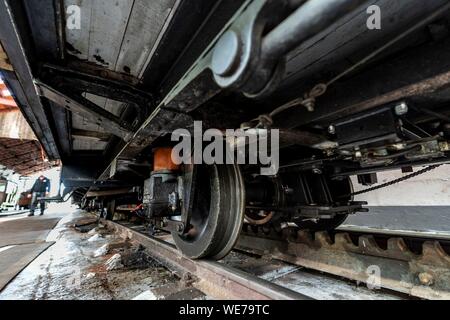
40, 189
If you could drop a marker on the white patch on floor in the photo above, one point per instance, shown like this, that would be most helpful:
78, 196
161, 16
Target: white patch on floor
6, 248
68, 271
147, 295
321, 287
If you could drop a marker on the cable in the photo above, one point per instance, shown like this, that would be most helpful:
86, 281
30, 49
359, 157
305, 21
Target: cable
399, 154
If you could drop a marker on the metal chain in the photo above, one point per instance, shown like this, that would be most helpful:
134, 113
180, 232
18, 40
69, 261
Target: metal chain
390, 183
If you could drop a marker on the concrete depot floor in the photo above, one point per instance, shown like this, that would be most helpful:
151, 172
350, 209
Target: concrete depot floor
11, 213
68, 270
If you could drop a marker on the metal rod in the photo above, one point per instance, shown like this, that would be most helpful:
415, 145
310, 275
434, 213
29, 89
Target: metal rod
308, 20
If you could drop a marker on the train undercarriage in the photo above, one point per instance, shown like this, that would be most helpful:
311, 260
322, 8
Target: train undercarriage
334, 89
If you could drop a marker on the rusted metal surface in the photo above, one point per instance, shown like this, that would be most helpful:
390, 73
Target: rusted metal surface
413, 266
424, 87
213, 278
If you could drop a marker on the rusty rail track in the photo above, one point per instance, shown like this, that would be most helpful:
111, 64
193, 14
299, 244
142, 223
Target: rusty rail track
413, 265
211, 277
406, 234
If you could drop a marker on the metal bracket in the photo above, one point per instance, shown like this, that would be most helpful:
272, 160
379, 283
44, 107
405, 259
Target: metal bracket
82, 82
86, 108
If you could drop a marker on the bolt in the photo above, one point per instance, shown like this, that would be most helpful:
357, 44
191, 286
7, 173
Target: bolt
332, 129
401, 109
317, 171
426, 279
310, 105
444, 146
198, 93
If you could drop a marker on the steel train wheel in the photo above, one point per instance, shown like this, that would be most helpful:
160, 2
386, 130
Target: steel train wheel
217, 214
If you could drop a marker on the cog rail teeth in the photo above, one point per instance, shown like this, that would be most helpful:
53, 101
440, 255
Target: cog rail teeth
393, 265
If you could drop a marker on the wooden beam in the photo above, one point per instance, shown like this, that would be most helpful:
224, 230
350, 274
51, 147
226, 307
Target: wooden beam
8, 103
4, 61
92, 135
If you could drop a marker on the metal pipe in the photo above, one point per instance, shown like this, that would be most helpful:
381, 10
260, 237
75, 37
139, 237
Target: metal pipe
308, 20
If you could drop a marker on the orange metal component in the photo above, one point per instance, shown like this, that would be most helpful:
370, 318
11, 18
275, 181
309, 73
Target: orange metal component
163, 160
